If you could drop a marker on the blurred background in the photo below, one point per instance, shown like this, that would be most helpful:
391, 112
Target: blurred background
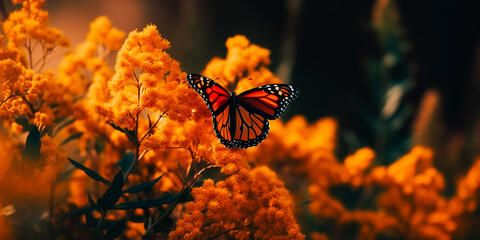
394, 74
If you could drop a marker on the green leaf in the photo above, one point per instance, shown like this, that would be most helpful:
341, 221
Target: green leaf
143, 186
72, 137
24, 123
116, 229
126, 161
92, 174
91, 221
32, 146
182, 171
130, 133
93, 204
113, 193
167, 198
67, 172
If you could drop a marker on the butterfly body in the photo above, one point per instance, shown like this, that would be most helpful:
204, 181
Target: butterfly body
242, 120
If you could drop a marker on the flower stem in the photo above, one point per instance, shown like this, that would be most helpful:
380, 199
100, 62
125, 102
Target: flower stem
102, 218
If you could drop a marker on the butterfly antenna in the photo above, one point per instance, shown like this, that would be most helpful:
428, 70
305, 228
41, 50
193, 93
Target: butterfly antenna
223, 82
243, 83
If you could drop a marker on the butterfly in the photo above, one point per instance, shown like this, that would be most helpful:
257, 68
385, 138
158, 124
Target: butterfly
242, 120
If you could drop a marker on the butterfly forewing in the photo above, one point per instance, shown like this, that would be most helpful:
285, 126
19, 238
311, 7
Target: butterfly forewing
214, 95
269, 101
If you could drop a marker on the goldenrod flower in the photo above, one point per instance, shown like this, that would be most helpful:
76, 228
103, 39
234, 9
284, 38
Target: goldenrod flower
31, 22
102, 32
147, 77
357, 163
53, 159
467, 198
256, 205
413, 195
16, 81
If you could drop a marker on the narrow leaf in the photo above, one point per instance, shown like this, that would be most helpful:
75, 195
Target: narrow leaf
32, 146
167, 198
143, 186
113, 193
130, 134
182, 171
126, 161
67, 172
93, 204
92, 174
91, 221
72, 137
116, 229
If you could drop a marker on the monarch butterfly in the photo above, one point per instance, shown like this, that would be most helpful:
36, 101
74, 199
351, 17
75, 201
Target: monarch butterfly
242, 120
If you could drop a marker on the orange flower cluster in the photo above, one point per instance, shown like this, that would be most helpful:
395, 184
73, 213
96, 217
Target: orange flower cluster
85, 74
24, 91
145, 75
15, 82
297, 140
30, 22
244, 206
411, 203
53, 159
468, 192
413, 195
89, 56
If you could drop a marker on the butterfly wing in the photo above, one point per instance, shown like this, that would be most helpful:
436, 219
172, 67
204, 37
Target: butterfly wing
249, 128
269, 101
214, 95
218, 102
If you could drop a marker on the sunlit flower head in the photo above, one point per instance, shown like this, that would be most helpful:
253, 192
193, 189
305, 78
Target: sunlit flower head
261, 204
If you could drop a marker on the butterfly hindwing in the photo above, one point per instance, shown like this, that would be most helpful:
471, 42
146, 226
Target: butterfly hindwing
249, 129
269, 101
222, 126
